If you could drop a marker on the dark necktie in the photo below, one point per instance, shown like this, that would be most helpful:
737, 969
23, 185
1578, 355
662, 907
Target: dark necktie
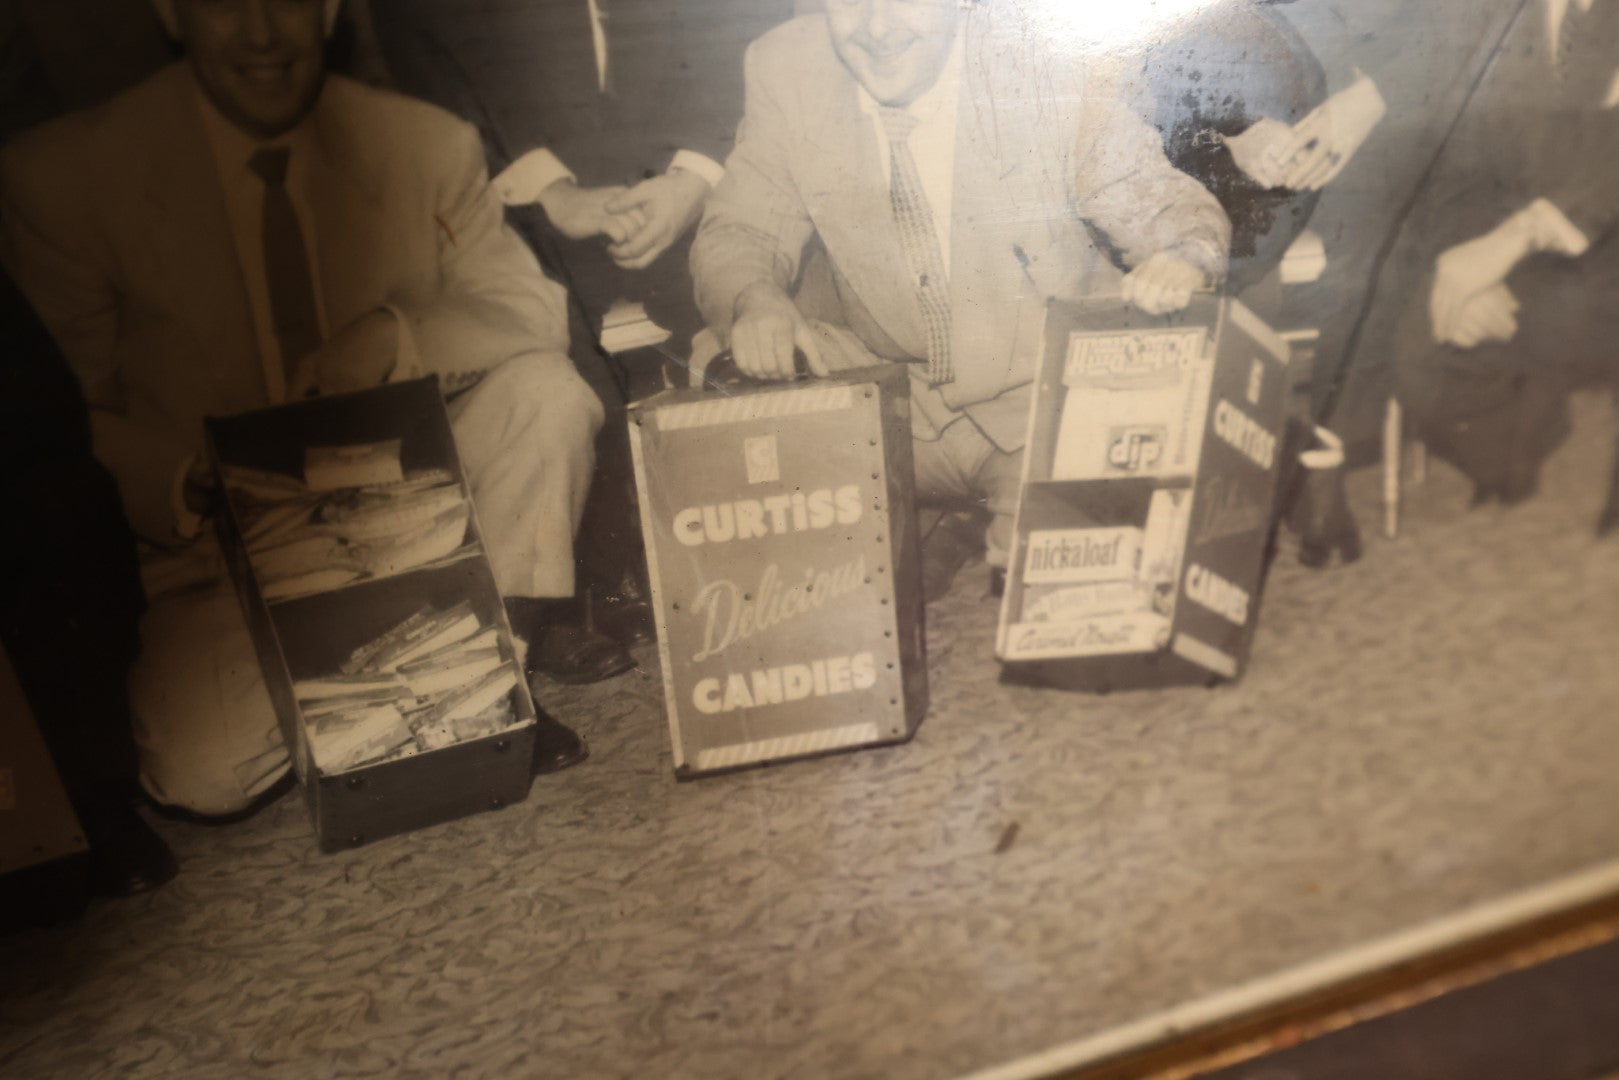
286, 263
920, 241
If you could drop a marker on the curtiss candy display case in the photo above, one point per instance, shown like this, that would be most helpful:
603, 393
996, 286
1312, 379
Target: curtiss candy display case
1149, 481
781, 541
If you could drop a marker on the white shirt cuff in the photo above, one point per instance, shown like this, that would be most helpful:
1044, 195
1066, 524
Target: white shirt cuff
701, 164
187, 524
521, 182
1553, 231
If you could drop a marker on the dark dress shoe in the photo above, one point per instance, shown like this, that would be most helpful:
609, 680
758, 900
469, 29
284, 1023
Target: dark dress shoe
561, 643
556, 746
948, 546
623, 615
574, 654
1321, 514
126, 857
1329, 525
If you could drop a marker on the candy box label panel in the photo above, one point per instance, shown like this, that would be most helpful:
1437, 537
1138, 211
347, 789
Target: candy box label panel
1234, 494
780, 534
311, 634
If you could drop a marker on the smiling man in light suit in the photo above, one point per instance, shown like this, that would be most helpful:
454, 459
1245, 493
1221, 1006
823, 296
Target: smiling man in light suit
952, 168
242, 229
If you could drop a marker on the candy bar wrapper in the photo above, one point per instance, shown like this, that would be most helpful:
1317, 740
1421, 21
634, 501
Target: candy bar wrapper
486, 638
372, 516
436, 734
448, 671
1072, 556
262, 485
1134, 400
348, 740
276, 523
436, 539
331, 468
417, 480
1065, 603
301, 556
364, 657
385, 683
476, 697
445, 630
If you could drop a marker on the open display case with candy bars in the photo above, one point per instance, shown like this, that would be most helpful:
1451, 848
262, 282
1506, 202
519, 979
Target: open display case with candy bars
352, 540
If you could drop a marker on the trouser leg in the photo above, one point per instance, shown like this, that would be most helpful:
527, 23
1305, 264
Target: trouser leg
963, 466
526, 433
204, 726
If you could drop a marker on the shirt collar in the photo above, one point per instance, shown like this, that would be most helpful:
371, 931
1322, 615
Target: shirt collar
938, 99
233, 147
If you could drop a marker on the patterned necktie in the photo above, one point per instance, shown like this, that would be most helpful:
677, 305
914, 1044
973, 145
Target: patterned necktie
286, 263
920, 241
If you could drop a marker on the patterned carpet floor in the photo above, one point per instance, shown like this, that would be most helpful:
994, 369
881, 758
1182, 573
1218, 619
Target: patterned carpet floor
1431, 727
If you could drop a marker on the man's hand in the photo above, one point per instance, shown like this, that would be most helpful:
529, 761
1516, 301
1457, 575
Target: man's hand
767, 329
580, 213
357, 357
1467, 271
1259, 151
1489, 316
1162, 284
671, 204
1324, 141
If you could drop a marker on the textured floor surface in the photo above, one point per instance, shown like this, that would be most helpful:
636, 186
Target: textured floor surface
1429, 728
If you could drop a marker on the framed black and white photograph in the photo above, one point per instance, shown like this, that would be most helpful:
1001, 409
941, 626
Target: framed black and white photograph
809, 538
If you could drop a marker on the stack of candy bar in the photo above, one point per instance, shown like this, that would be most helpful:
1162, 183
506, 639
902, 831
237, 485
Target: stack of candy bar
355, 514
436, 679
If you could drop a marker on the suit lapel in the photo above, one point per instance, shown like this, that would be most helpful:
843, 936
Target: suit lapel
355, 236
847, 196
193, 243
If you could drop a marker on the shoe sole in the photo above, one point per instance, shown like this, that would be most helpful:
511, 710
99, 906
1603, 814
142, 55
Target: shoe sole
585, 678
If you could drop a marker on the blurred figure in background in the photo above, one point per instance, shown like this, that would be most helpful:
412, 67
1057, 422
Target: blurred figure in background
1518, 310
70, 589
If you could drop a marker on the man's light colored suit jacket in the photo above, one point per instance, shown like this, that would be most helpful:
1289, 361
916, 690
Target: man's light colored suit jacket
1042, 149
115, 226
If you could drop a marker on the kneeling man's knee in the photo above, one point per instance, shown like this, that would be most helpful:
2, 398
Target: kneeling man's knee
543, 394
203, 720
